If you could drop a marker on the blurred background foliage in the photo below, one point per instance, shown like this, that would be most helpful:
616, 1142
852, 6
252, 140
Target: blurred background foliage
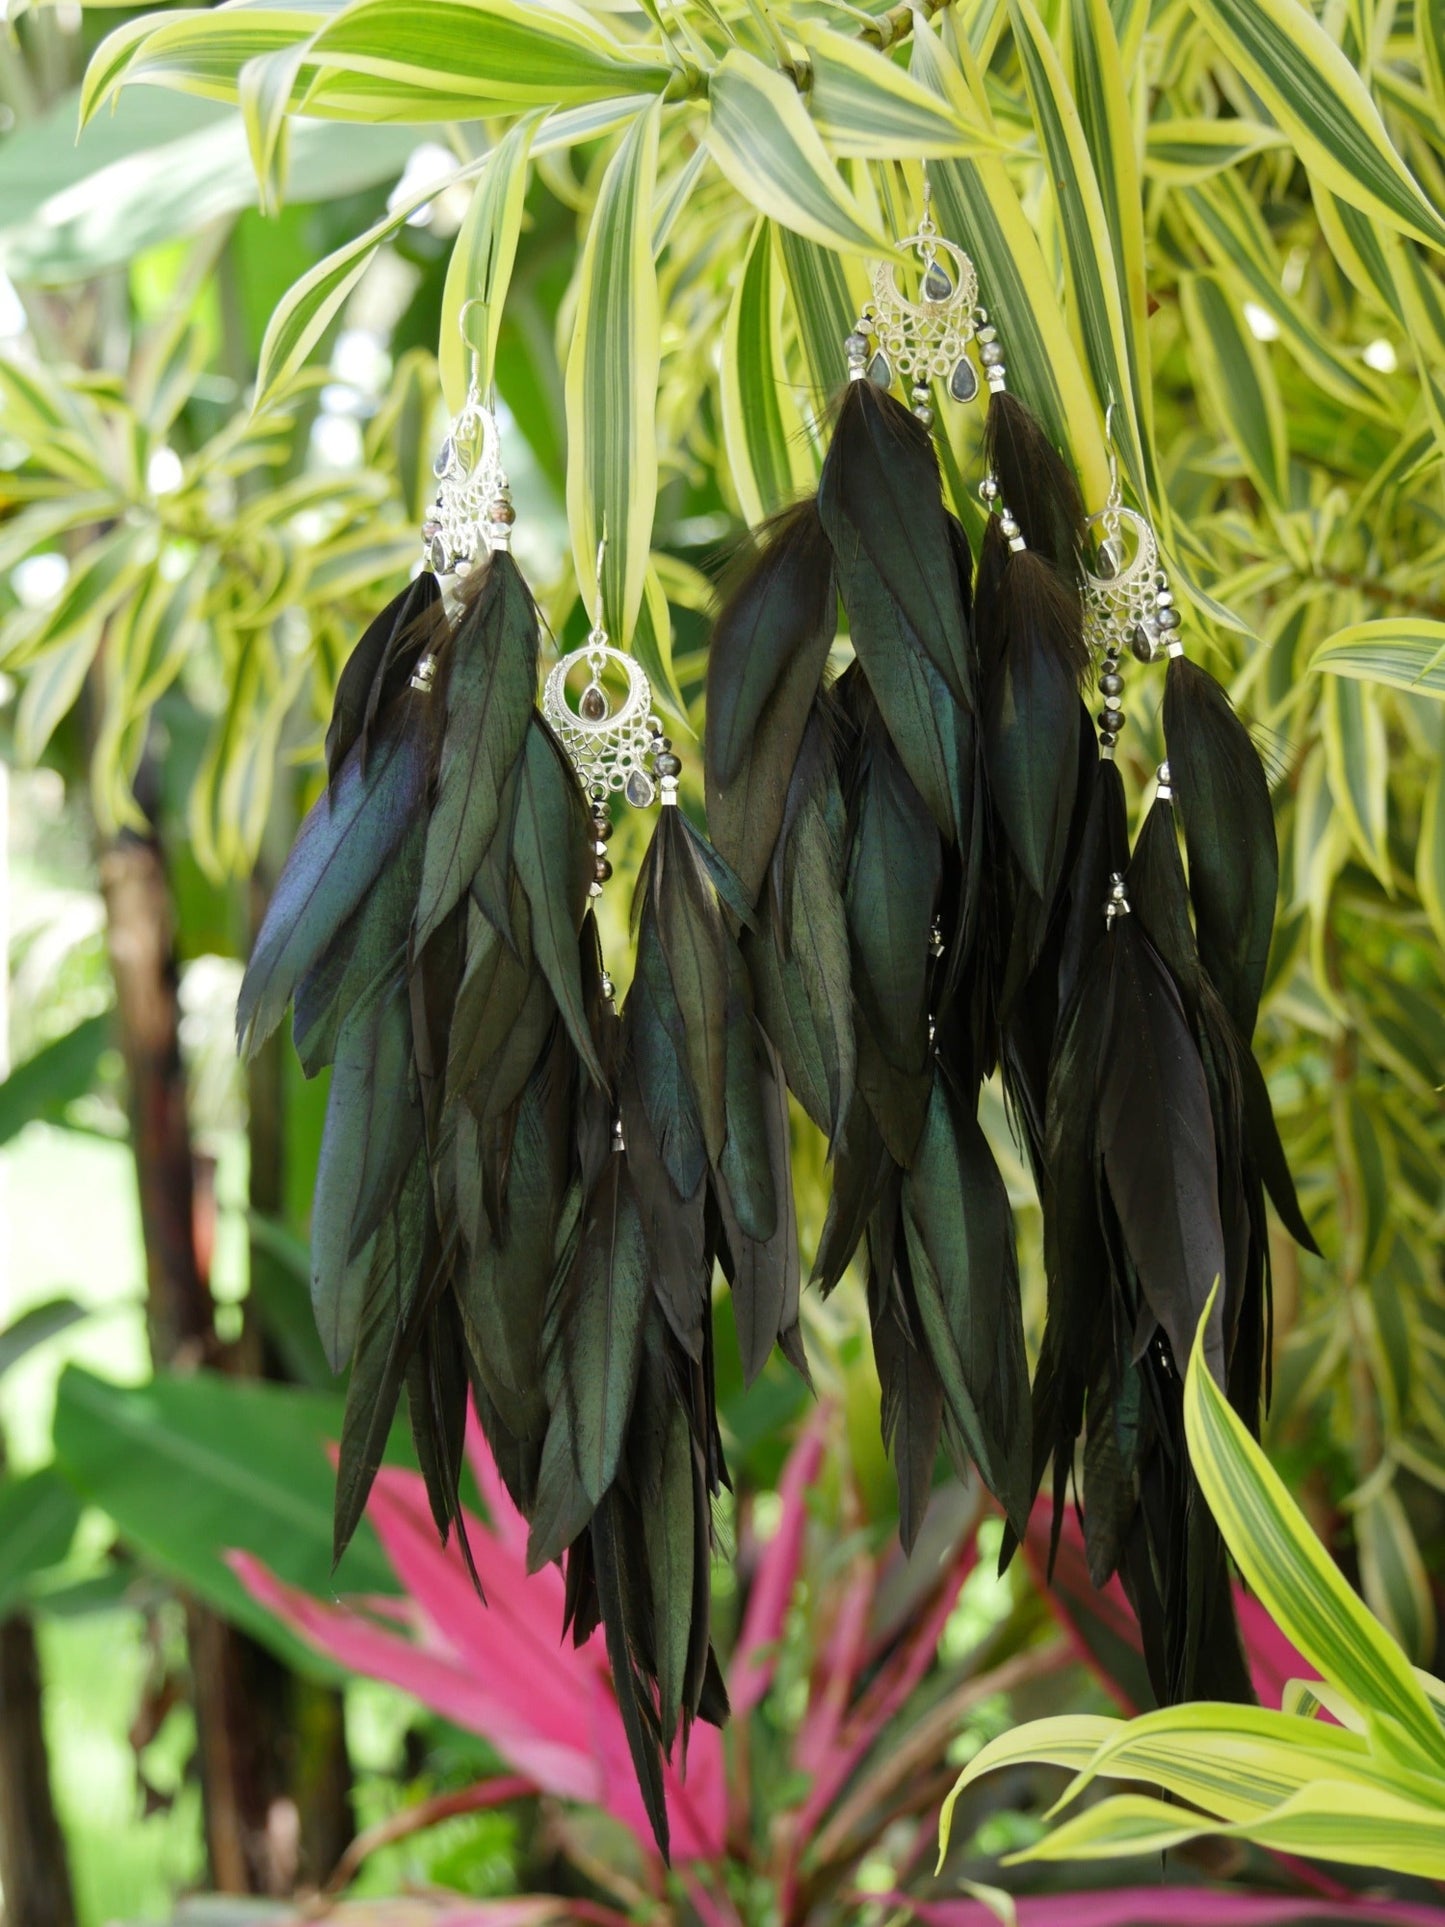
217, 426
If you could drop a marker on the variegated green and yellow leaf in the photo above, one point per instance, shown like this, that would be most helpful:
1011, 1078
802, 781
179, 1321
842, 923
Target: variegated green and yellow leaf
1295, 1579
1403, 652
762, 428
480, 270
977, 203
1235, 372
611, 387
1325, 107
866, 104
760, 135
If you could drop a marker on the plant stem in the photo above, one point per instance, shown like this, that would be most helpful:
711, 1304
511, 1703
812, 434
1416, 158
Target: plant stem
897, 23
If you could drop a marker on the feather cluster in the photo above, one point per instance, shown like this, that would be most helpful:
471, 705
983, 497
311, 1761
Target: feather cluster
937, 857
522, 1193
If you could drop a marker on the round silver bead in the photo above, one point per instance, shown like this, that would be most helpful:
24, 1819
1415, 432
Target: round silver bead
1008, 527
1169, 618
856, 348
991, 354
988, 489
924, 413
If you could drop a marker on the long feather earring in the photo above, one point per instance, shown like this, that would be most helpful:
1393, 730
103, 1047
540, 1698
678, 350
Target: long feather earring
1154, 1184
682, 1163
480, 1226
851, 815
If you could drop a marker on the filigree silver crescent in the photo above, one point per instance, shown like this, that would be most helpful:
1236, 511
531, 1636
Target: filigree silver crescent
1121, 601
926, 339
610, 745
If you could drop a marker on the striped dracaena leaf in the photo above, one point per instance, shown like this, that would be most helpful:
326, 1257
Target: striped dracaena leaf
1070, 1740
1184, 150
310, 305
866, 104
1090, 254
1101, 93
1404, 652
978, 206
193, 49
1326, 1820
761, 136
762, 428
824, 294
1237, 376
480, 269
611, 386
1302, 1588
1320, 100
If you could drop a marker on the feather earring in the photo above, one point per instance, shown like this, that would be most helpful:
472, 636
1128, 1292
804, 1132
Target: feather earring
1154, 1182
853, 817
685, 1165
481, 1227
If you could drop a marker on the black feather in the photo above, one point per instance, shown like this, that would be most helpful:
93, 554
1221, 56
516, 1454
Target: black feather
1222, 796
491, 684
380, 665
1036, 483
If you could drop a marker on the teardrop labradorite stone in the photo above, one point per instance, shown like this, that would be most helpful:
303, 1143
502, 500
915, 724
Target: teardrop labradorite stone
441, 467
880, 371
593, 706
963, 382
936, 284
639, 791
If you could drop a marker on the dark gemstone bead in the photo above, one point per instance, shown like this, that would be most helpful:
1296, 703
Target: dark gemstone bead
668, 765
1111, 685
604, 869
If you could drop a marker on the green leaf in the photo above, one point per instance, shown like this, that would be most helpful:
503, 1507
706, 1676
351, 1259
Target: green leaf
1070, 1739
1236, 374
1293, 1576
193, 48
1404, 652
762, 428
480, 269
309, 307
1353, 1824
37, 1327
38, 1517
57, 1074
612, 373
1184, 150
490, 55
977, 203
1090, 255
1357, 756
1101, 91
264, 89
191, 1468
108, 570
824, 294
1430, 853
864, 103
759, 133
1393, 1575
652, 646
50, 691
1324, 106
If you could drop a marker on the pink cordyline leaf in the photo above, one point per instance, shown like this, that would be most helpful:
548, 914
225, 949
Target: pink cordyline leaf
529, 1911
503, 1670
755, 1660
1170, 1907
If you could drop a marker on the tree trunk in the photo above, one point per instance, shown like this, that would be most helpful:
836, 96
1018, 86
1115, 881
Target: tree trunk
256, 1725
34, 1870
